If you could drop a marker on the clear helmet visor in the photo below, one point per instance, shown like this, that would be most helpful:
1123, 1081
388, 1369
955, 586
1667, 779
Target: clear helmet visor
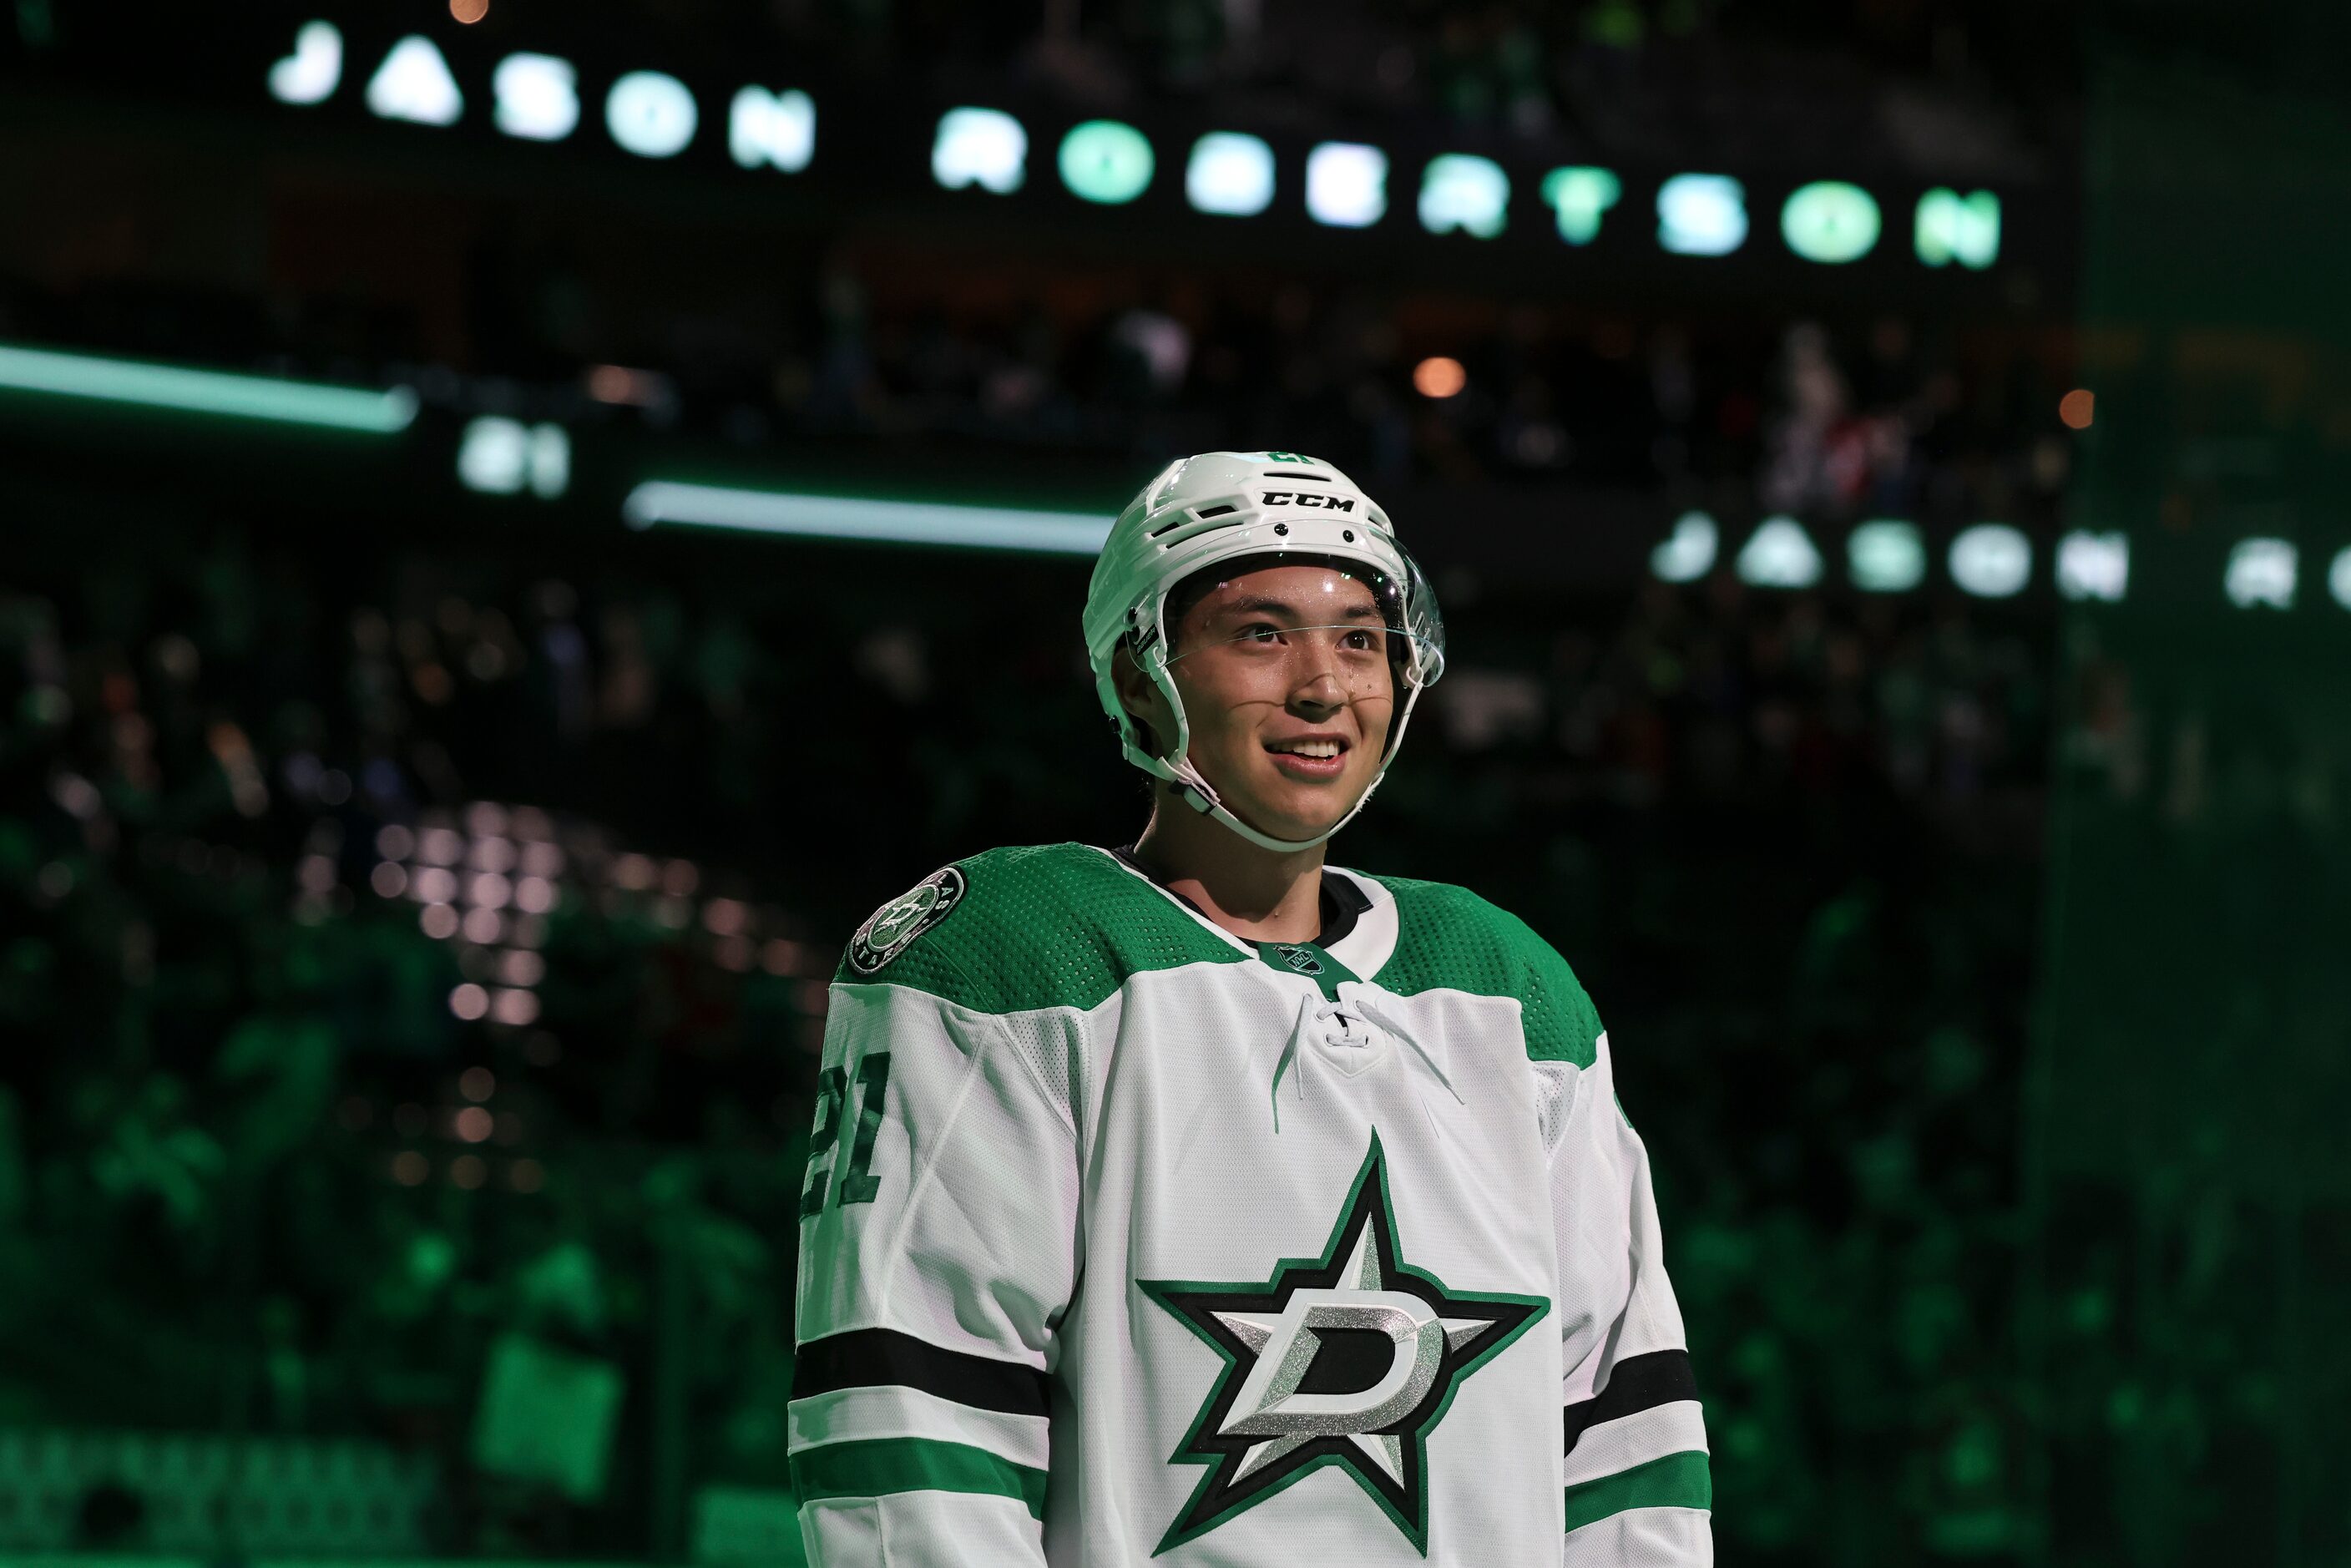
1366, 629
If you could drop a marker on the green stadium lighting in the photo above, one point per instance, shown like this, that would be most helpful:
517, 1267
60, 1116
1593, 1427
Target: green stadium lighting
667, 503
1105, 161
1830, 222
982, 147
270, 398
414, 84
1886, 556
1688, 553
2092, 565
1779, 554
312, 72
1460, 190
2338, 578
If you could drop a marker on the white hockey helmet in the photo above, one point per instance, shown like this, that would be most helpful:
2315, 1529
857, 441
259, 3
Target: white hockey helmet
1218, 507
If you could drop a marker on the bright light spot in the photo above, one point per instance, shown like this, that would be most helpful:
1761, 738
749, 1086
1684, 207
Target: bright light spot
1579, 198
469, 1001
388, 880
520, 969
541, 859
1462, 191
1830, 221
1346, 184
415, 83
490, 890
651, 114
1952, 227
778, 129
2093, 566
2261, 571
477, 1084
469, 1171
2338, 578
492, 853
1991, 560
1438, 377
1105, 161
494, 455
475, 1125
1229, 173
527, 1176
983, 147
469, 11
2077, 408
438, 921
312, 72
1886, 556
410, 1169
534, 895
441, 846
1701, 214
484, 926
393, 842
1779, 554
1687, 554
516, 1008
432, 885
538, 97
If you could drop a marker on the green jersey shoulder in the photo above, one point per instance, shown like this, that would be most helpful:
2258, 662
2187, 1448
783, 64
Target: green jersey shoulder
1448, 938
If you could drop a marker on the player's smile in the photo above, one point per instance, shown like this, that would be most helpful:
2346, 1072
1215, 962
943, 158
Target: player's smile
1321, 757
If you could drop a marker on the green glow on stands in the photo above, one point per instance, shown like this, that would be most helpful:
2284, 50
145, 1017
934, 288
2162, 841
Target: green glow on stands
2261, 573
1688, 554
1952, 227
207, 391
1580, 196
661, 501
1780, 554
1830, 221
1886, 556
1105, 161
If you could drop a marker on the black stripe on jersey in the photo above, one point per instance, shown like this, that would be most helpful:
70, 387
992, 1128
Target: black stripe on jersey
874, 1358
1636, 1383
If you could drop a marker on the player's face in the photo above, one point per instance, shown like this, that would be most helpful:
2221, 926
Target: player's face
1285, 679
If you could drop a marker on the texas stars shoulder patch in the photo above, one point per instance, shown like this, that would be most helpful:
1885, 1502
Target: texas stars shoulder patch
893, 926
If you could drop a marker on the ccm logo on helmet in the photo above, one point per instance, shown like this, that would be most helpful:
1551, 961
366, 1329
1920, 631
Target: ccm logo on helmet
1292, 499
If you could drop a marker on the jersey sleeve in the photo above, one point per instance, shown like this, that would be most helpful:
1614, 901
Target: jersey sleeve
938, 1239
1638, 1490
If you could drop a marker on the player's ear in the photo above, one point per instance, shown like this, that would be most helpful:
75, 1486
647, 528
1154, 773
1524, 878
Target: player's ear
1144, 702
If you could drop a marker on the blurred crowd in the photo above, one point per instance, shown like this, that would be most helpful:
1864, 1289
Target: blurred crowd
415, 955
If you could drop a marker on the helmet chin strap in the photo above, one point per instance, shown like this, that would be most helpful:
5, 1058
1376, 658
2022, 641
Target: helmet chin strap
1196, 793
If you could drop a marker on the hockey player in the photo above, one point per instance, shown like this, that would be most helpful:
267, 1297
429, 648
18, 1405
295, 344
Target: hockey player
1202, 1202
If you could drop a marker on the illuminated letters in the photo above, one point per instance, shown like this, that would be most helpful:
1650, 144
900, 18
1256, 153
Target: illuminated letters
1579, 196
1460, 190
2262, 573
775, 129
415, 83
1346, 184
983, 147
1105, 161
2093, 566
1991, 560
538, 96
1689, 554
1830, 221
1952, 227
1229, 173
651, 114
1701, 214
313, 70
1780, 554
1886, 556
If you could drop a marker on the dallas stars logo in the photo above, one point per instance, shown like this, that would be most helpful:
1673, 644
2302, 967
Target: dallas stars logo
1347, 1360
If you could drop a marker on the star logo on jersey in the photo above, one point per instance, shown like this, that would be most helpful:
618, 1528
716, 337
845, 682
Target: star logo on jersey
1345, 1361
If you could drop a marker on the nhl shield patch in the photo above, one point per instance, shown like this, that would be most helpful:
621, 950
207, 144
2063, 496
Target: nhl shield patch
894, 927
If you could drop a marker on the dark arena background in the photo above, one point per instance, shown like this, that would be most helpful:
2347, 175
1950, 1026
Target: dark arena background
526, 522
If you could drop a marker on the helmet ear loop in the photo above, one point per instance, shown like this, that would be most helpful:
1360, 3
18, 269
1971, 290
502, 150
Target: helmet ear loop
1175, 760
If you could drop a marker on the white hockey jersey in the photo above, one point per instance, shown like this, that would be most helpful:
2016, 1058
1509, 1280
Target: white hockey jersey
1125, 1240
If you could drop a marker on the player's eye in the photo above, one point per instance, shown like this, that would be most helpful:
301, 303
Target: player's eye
1260, 632
1361, 640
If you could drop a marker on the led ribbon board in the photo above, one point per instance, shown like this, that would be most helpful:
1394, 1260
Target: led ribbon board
661, 502
269, 398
